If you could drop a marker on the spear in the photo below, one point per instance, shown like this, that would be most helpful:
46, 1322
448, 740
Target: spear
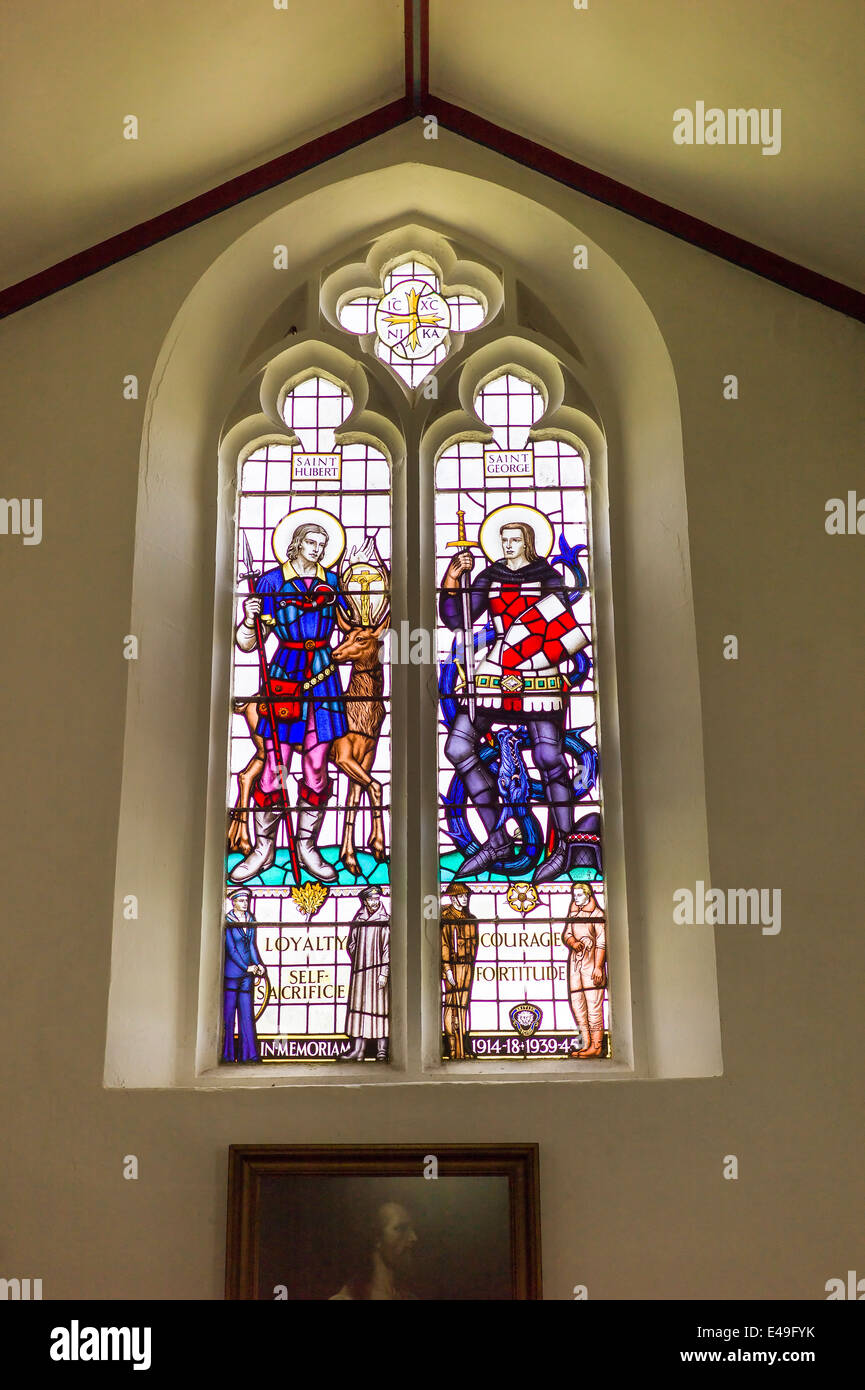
270, 705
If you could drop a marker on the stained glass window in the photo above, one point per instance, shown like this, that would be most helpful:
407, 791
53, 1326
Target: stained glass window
523, 904
307, 930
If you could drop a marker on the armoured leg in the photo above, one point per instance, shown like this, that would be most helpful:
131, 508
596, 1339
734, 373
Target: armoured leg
481, 789
461, 750
548, 751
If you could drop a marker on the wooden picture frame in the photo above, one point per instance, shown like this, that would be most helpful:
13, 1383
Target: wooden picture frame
407, 1221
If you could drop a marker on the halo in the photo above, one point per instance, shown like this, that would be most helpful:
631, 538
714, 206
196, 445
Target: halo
285, 529
490, 540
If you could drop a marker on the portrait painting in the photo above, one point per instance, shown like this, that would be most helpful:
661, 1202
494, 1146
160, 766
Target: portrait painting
398, 1223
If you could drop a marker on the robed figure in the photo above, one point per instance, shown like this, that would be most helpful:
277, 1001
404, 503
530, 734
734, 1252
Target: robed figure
369, 949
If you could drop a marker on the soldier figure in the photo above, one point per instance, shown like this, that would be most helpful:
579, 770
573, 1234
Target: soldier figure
459, 946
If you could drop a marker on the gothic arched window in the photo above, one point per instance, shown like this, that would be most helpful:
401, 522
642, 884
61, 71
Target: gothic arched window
522, 900
387, 426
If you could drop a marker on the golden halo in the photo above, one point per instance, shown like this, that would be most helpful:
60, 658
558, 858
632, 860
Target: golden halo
491, 542
285, 529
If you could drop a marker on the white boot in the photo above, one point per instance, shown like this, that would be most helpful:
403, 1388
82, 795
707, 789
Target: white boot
309, 819
263, 852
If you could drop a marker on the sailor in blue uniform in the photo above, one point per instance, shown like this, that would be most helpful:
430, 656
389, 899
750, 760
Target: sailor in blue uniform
242, 967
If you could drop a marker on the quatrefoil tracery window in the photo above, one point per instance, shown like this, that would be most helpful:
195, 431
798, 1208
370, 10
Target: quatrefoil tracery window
411, 321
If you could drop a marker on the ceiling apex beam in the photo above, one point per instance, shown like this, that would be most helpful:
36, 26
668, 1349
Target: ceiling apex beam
416, 20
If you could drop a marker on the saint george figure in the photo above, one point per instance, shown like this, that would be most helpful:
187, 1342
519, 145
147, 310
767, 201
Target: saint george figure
242, 968
369, 948
298, 602
459, 947
517, 682
586, 941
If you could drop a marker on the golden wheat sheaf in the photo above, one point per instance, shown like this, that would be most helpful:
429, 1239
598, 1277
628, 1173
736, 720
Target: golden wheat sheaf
309, 898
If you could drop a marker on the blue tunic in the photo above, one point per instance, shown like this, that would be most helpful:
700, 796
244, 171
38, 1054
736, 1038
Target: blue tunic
302, 669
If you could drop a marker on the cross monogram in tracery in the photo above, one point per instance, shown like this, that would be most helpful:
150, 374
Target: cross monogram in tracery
411, 319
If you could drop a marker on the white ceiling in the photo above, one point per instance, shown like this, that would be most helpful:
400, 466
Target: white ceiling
223, 86
218, 86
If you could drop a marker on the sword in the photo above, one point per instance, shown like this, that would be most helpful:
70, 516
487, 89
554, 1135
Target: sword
468, 634
251, 576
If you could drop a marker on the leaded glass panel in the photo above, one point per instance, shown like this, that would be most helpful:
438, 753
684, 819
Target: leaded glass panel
307, 930
523, 916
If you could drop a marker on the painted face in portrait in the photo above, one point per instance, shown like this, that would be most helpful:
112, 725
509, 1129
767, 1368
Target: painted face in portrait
397, 1239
